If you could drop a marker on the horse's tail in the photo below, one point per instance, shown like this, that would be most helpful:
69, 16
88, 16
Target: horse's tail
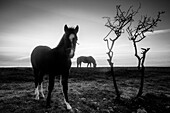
34, 68
36, 77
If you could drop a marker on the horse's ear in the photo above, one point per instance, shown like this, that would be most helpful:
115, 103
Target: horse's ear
65, 28
77, 29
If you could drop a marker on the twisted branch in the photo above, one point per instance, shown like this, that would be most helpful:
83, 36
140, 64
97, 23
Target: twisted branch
121, 19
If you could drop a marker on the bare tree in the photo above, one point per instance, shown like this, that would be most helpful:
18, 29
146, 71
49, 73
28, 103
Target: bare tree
116, 26
145, 24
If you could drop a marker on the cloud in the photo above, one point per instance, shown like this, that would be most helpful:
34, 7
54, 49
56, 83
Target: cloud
159, 32
162, 31
7, 60
13, 56
25, 58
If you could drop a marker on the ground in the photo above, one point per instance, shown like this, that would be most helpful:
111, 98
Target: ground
91, 90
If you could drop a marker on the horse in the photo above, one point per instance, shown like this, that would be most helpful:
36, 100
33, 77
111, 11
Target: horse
55, 62
87, 60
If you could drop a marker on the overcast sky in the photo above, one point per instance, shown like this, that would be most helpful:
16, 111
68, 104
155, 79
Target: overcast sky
24, 24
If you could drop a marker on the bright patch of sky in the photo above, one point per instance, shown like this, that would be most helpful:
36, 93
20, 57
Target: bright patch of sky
24, 24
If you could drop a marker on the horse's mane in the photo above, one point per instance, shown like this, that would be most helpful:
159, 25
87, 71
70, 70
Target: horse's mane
61, 43
70, 30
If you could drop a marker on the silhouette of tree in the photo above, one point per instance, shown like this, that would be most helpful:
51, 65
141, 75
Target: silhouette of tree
116, 26
137, 34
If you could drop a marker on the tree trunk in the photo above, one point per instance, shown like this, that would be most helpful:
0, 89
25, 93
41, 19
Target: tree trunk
142, 72
141, 83
115, 84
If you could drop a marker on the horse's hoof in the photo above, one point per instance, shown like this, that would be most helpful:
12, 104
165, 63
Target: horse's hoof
37, 98
42, 95
70, 110
68, 106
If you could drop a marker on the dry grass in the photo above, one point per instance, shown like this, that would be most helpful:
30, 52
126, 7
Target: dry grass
90, 91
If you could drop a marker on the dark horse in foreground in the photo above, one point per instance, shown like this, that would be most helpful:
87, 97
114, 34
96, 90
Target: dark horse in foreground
87, 60
56, 61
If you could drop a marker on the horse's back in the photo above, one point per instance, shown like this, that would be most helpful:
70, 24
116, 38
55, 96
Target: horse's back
38, 55
48, 61
82, 59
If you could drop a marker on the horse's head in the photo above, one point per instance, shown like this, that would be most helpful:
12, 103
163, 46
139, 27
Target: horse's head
95, 65
71, 40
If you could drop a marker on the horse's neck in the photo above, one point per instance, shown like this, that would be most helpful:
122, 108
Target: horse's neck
61, 43
93, 60
60, 47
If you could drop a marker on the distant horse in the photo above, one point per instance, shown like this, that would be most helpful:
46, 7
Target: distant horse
87, 60
56, 61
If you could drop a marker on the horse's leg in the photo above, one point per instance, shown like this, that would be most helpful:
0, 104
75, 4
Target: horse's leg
36, 75
77, 64
64, 83
41, 75
41, 90
50, 88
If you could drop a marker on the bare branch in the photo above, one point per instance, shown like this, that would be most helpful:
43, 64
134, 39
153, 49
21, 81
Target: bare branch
145, 24
128, 11
107, 35
121, 19
145, 50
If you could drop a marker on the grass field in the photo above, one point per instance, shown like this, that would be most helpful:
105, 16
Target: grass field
90, 91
